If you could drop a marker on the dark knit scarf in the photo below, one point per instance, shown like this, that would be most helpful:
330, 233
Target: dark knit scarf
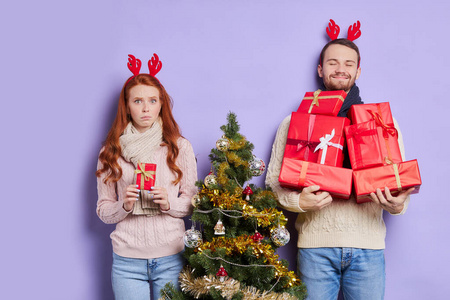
352, 98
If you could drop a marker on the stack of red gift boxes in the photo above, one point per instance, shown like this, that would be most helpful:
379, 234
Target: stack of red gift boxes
375, 154
315, 143
314, 146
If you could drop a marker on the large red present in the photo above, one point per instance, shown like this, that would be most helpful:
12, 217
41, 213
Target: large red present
363, 145
298, 174
322, 102
397, 177
316, 138
388, 135
145, 176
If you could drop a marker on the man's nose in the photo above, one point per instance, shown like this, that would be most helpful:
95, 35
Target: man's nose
340, 69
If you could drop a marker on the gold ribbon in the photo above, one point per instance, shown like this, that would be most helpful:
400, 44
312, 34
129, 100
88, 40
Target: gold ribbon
316, 99
397, 177
145, 175
302, 177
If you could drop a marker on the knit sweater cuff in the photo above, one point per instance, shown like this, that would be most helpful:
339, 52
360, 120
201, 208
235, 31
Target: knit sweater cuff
294, 200
123, 212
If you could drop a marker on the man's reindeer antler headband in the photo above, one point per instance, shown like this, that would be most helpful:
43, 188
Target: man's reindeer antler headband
352, 34
134, 64
333, 30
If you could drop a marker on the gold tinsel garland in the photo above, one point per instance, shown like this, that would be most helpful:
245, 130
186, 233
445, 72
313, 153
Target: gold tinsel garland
221, 176
236, 145
232, 157
228, 288
238, 245
227, 201
223, 200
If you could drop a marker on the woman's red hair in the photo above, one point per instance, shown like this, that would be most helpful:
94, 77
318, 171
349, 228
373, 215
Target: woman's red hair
171, 132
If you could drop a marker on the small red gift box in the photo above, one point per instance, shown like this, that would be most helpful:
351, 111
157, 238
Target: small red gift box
387, 133
397, 177
316, 138
298, 173
364, 145
322, 102
145, 176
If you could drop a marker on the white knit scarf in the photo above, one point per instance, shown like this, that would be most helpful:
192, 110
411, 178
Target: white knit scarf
137, 148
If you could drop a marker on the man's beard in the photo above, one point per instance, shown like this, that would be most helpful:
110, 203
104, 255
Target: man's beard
333, 85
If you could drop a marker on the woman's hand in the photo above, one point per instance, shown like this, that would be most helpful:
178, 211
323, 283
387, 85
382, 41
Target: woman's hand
132, 195
160, 197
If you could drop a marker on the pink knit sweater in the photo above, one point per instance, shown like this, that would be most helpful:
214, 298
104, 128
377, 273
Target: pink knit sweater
156, 236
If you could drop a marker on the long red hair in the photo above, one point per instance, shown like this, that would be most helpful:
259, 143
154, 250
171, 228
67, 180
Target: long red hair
171, 131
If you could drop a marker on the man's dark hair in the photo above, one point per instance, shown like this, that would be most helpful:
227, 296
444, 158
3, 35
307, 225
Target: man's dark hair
343, 42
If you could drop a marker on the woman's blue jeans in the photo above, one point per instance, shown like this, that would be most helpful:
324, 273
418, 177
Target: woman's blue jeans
359, 273
132, 277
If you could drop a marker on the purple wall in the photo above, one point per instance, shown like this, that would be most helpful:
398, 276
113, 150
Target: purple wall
62, 69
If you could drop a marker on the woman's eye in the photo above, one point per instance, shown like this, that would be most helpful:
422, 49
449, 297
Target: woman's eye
137, 101
153, 101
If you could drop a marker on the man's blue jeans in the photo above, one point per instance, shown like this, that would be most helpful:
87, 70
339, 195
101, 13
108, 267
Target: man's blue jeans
360, 273
131, 277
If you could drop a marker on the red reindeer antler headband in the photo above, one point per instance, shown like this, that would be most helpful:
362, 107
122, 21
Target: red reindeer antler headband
353, 32
134, 64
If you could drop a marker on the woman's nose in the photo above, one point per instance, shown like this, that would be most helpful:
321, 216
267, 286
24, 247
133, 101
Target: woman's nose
146, 106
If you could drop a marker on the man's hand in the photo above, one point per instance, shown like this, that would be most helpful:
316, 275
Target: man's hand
393, 205
311, 198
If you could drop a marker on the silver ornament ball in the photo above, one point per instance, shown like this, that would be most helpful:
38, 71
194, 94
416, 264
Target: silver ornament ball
222, 144
192, 238
280, 236
257, 166
195, 200
210, 180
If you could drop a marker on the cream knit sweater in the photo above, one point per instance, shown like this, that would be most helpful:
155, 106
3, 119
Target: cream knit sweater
140, 236
343, 223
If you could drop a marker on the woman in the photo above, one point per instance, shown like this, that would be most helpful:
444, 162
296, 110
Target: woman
148, 238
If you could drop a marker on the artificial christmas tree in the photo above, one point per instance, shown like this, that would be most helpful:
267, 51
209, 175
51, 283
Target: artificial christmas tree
234, 255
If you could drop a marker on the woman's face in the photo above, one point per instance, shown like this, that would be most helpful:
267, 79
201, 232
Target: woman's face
144, 106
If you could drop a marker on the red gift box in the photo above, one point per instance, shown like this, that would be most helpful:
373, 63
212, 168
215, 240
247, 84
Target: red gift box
397, 177
387, 133
322, 102
145, 176
316, 138
298, 174
364, 145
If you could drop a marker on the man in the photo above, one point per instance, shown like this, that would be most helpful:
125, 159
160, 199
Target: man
341, 243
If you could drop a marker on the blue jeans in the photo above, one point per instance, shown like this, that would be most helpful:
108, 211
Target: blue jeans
359, 273
132, 277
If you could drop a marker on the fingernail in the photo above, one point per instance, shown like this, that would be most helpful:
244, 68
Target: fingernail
137, 198
137, 185
148, 192
152, 187
138, 191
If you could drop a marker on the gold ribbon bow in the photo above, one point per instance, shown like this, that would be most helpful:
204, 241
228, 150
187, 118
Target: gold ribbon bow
145, 175
315, 100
